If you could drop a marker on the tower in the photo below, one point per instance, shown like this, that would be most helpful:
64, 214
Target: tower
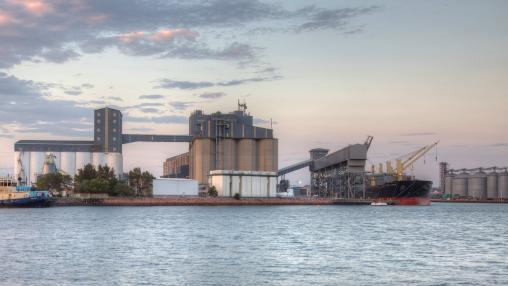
108, 130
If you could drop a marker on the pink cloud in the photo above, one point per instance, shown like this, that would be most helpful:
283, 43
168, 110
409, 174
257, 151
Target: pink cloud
5, 18
168, 34
37, 7
129, 37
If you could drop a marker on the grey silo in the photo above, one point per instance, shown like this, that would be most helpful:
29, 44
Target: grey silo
448, 183
492, 192
502, 185
477, 185
459, 184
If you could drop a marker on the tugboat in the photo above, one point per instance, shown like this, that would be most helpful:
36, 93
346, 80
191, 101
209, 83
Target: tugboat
397, 188
14, 195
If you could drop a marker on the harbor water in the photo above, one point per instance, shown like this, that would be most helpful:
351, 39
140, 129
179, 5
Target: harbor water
442, 244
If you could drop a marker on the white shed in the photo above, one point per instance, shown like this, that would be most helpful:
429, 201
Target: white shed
174, 187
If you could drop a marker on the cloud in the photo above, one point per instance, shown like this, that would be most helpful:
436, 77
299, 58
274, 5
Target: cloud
169, 84
150, 110
212, 95
115, 98
181, 105
26, 105
87, 85
330, 18
190, 85
151, 96
499, 145
63, 30
419, 134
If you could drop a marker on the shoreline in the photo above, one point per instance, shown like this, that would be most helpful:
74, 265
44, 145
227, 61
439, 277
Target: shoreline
191, 201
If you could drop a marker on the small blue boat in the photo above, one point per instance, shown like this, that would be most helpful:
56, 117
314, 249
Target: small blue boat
12, 195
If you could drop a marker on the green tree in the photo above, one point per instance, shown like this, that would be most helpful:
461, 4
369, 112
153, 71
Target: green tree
212, 191
236, 196
87, 173
53, 181
142, 182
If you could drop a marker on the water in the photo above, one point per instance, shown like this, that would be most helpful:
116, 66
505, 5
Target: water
444, 244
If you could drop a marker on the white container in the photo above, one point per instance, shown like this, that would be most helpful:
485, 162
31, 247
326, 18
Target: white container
249, 184
175, 187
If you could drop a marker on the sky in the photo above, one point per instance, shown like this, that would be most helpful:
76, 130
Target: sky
328, 73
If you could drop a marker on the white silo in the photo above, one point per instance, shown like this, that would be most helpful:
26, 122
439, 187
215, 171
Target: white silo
98, 159
36, 165
459, 184
82, 159
115, 161
492, 185
477, 185
68, 163
502, 185
448, 183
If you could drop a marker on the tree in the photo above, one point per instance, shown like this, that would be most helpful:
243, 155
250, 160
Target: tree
212, 191
87, 173
53, 181
141, 182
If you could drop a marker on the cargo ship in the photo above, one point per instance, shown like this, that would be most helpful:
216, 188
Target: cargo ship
405, 192
14, 195
394, 187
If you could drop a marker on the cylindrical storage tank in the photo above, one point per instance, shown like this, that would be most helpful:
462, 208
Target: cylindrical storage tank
492, 186
247, 155
57, 158
267, 155
36, 165
68, 163
227, 154
115, 161
98, 159
459, 185
502, 185
477, 185
201, 159
448, 183
82, 159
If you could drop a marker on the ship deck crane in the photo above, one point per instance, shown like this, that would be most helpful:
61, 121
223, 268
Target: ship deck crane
403, 165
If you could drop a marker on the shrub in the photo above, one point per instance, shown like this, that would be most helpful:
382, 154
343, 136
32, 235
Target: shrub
212, 191
236, 196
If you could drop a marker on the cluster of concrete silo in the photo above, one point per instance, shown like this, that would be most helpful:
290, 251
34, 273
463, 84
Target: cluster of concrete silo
478, 183
32, 163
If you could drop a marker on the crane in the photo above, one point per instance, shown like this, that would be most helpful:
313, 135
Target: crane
403, 165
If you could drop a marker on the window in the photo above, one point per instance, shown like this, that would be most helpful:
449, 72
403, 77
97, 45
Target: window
114, 148
98, 130
98, 138
114, 121
114, 114
114, 138
114, 129
98, 121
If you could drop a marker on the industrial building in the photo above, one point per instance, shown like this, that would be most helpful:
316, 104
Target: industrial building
475, 183
252, 184
176, 167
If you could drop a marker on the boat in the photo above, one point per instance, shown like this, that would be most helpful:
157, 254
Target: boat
14, 195
405, 192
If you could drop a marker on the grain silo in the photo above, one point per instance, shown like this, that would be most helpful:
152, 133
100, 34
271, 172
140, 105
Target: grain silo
502, 185
247, 154
68, 163
459, 184
36, 164
492, 185
448, 183
477, 185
